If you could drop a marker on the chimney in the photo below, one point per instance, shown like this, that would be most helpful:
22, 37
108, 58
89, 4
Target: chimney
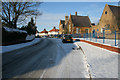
54, 27
75, 13
44, 29
70, 15
66, 19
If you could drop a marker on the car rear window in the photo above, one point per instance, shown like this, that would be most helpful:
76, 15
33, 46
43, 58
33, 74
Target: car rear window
68, 36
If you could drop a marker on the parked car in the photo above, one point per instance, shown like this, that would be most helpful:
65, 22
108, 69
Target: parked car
37, 36
67, 39
44, 36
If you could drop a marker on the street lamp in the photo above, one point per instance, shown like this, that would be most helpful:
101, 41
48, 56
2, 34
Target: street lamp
104, 35
35, 20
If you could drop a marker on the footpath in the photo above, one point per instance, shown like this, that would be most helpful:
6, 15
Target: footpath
109, 44
102, 63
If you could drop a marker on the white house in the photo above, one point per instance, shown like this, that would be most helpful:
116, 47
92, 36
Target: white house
43, 33
54, 31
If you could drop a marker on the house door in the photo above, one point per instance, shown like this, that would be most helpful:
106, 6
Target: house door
86, 30
93, 33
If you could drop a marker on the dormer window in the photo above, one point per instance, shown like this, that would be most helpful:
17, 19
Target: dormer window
105, 12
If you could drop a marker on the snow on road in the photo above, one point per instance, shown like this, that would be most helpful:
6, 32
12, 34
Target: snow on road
4, 49
102, 63
72, 65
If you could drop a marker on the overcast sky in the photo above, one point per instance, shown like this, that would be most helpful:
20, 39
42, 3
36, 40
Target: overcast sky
52, 12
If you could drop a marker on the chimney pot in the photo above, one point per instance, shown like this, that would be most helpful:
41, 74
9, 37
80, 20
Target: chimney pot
75, 13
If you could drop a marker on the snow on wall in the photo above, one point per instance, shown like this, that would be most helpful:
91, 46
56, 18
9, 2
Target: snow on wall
37, 34
30, 37
14, 30
50, 33
43, 34
9, 48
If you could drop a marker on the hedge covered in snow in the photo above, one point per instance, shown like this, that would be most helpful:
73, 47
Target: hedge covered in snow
30, 37
14, 30
13, 36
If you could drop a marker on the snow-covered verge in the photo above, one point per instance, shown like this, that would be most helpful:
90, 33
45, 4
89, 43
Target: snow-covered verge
102, 63
14, 30
30, 37
4, 49
72, 65
109, 42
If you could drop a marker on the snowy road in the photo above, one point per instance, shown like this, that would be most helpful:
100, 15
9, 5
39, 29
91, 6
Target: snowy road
48, 59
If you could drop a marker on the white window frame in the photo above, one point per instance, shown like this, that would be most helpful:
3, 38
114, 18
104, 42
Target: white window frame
77, 30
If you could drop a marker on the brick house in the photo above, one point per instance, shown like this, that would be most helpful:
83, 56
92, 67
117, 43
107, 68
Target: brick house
109, 21
61, 26
43, 33
54, 31
75, 24
79, 24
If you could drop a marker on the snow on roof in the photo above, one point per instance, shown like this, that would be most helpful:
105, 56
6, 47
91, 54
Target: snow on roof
14, 30
18, 46
54, 30
44, 31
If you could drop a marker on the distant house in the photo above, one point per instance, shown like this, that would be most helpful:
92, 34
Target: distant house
75, 24
63, 29
43, 33
61, 26
37, 33
54, 31
110, 20
79, 24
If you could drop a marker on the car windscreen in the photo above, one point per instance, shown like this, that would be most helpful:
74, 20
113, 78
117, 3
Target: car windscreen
68, 36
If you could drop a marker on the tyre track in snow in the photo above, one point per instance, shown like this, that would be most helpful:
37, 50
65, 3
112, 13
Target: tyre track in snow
71, 58
86, 61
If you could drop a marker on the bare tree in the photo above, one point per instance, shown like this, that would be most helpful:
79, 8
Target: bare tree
17, 12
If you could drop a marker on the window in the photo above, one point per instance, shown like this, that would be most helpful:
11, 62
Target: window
101, 30
79, 30
107, 27
93, 31
69, 28
119, 28
76, 30
86, 30
105, 12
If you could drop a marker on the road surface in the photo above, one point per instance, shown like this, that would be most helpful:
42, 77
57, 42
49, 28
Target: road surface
50, 58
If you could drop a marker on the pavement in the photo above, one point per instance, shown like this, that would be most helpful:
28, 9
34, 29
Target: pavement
102, 63
48, 59
108, 46
108, 42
